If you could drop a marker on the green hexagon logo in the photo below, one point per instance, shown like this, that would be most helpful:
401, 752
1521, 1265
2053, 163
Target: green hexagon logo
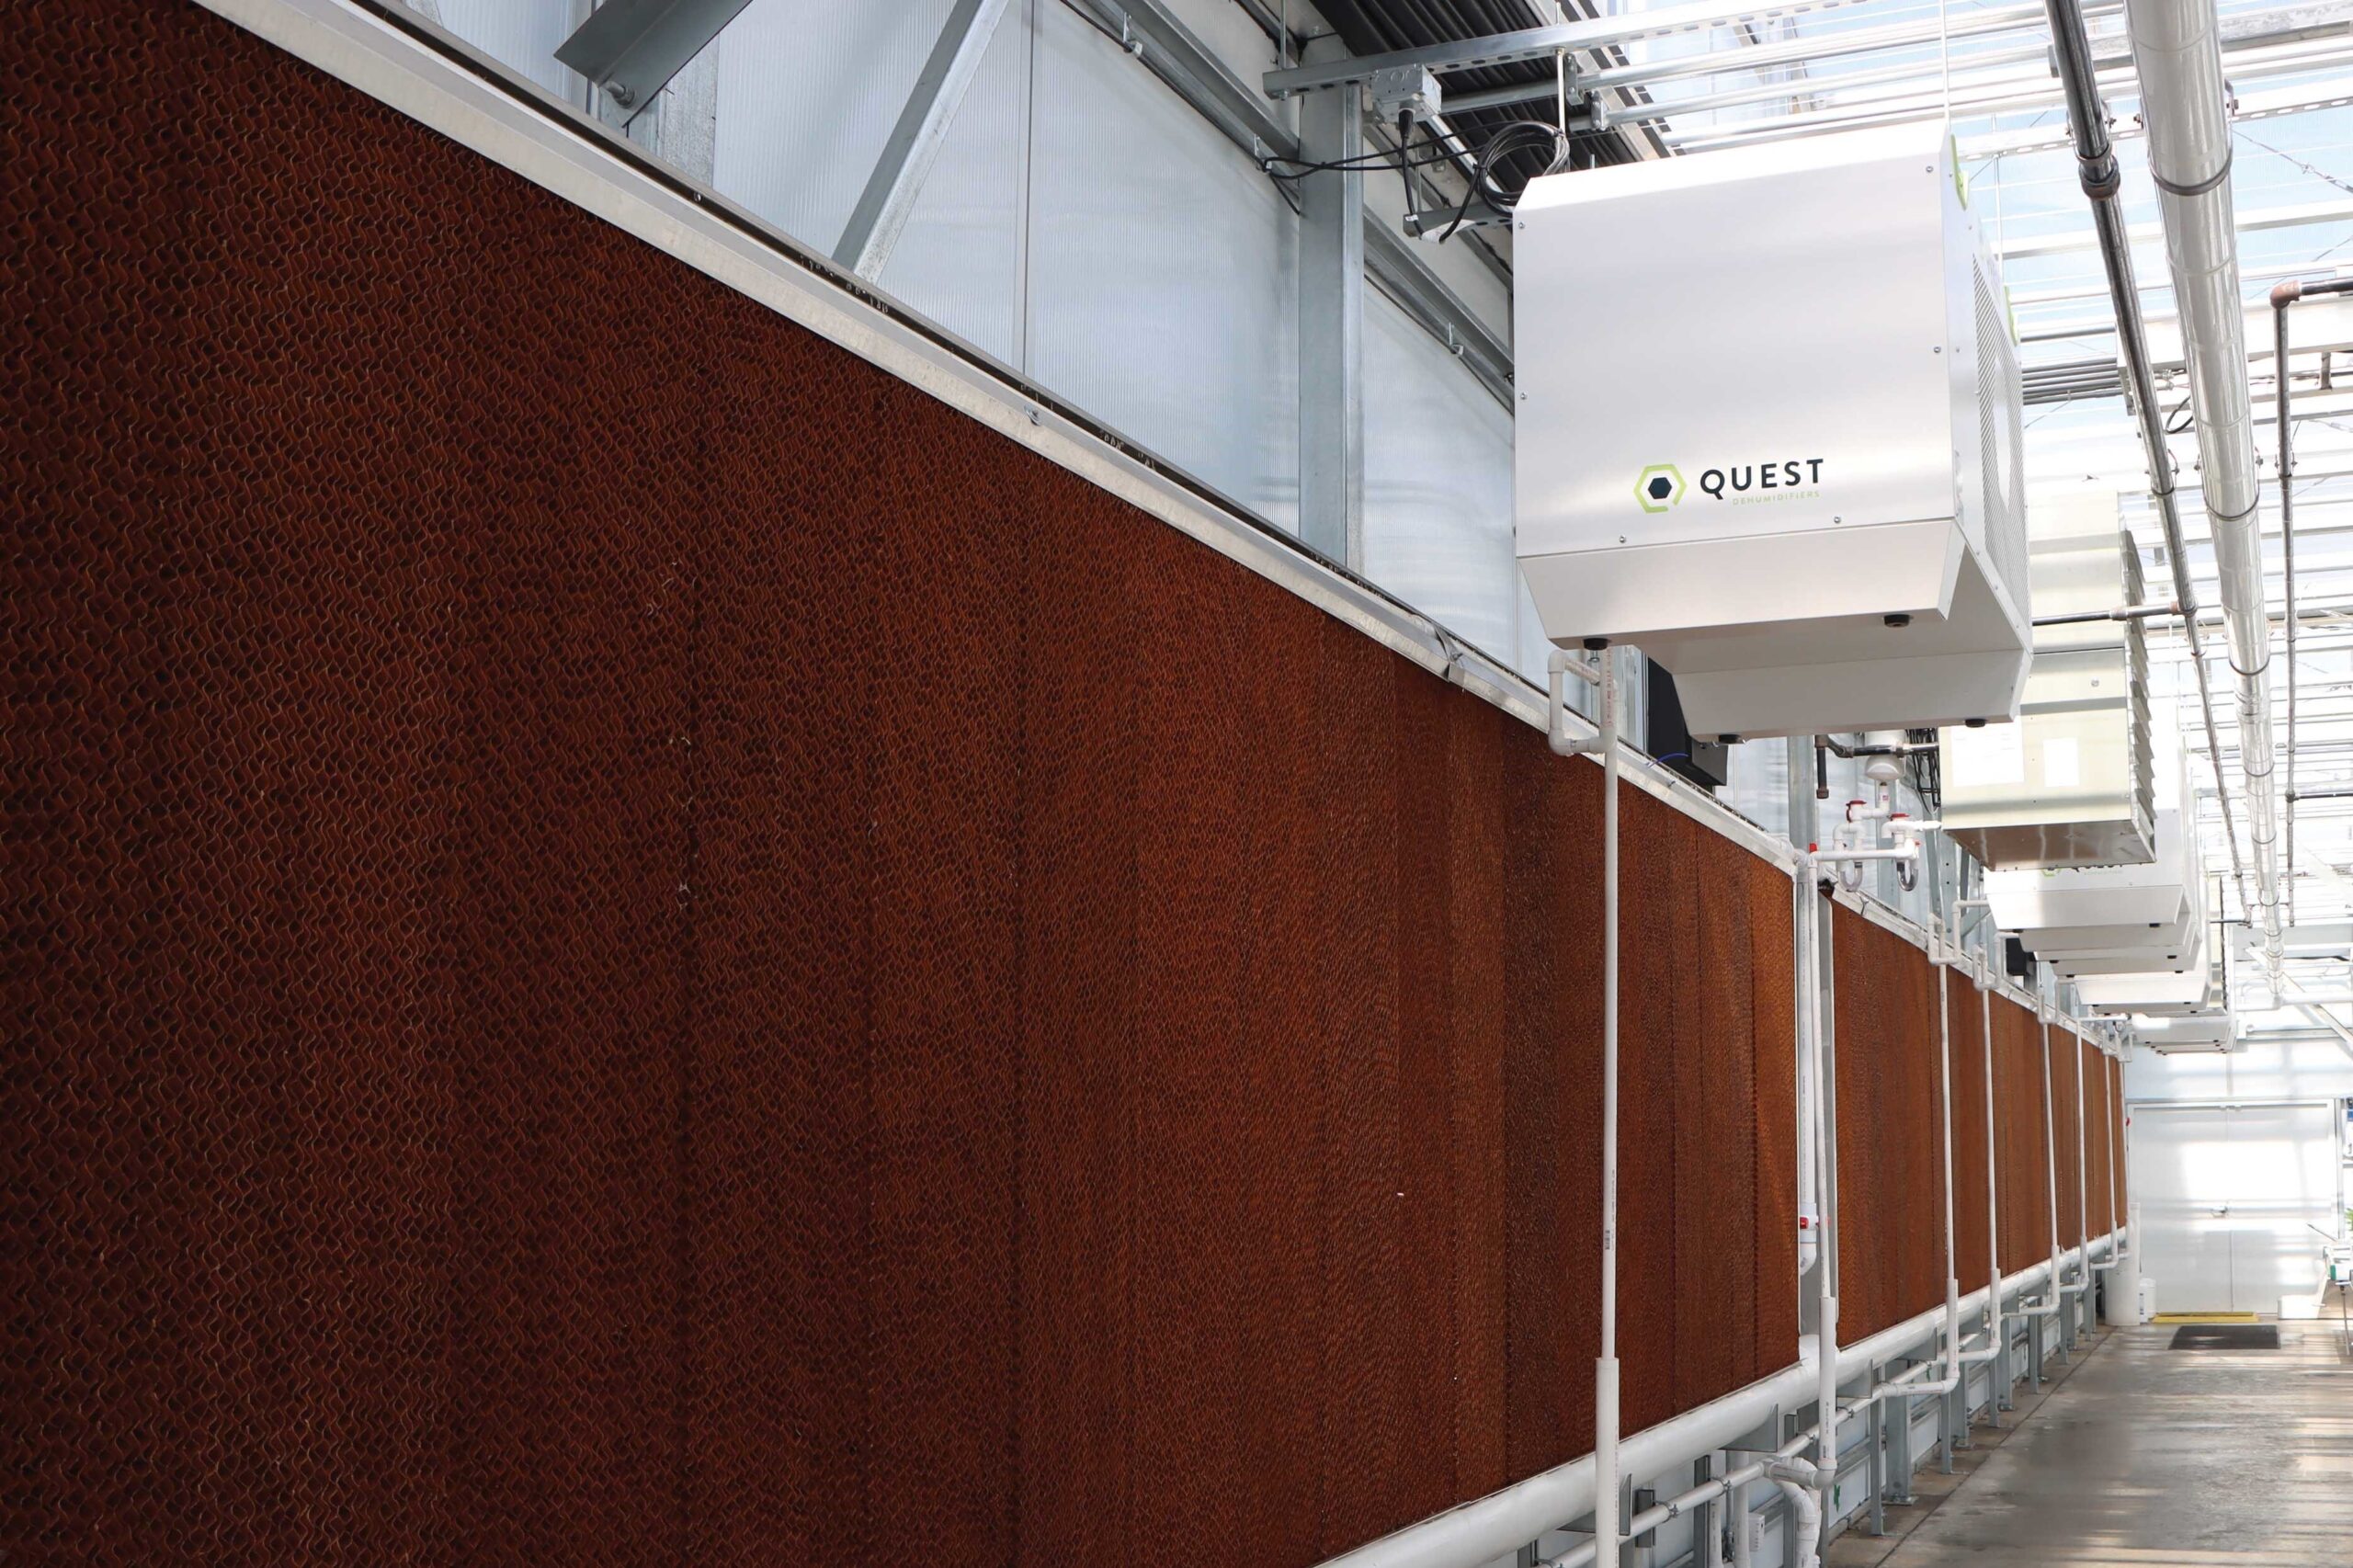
1660, 486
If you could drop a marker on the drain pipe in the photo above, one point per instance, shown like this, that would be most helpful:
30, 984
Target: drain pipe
2083, 1181
1995, 1331
1825, 1164
2097, 169
2283, 296
1804, 1489
1944, 1078
2177, 52
1603, 672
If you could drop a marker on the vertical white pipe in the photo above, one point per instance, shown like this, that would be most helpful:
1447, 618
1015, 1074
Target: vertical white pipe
1802, 807
2083, 1161
1605, 1371
1826, 1121
1993, 1195
2115, 1164
2049, 1147
1944, 1081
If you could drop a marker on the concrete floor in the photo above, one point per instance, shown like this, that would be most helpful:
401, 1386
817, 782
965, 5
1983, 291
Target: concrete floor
2150, 1458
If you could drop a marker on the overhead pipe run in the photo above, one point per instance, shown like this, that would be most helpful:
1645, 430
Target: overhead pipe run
2096, 168
2176, 50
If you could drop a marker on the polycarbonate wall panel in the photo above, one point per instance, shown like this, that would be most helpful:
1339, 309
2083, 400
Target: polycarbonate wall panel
962, 258
1160, 272
1086, 227
1437, 517
808, 93
520, 34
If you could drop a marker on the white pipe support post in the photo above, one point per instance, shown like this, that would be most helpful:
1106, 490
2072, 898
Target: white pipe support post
1825, 1161
1996, 1334
1607, 1477
2049, 1149
1944, 1081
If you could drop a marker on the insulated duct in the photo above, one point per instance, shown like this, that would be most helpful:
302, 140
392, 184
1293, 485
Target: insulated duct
2178, 52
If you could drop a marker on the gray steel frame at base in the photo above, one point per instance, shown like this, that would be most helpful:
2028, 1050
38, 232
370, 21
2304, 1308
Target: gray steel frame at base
1499, 1524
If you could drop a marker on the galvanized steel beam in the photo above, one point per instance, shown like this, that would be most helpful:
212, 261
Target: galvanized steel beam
1330, 331
633, 48
880, 215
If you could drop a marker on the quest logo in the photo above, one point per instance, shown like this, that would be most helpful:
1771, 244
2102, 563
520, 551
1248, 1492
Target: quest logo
1661, 486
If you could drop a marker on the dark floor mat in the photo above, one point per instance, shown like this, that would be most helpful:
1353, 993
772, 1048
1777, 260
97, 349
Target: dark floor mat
2226, 1337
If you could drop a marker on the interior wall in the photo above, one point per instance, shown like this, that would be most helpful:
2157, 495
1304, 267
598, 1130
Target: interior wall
651, 946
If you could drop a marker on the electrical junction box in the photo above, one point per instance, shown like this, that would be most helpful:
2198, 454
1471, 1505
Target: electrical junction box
1768, 431
2073, 782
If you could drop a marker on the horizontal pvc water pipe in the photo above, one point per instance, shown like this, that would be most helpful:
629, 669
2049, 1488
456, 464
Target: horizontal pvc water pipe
1783, 1467
1499, 1524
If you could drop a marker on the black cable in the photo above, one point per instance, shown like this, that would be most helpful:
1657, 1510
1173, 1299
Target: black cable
1299, 168
1404, 144
1513, 139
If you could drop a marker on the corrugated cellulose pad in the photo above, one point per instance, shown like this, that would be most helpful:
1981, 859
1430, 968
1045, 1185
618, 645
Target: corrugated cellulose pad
1890, 1122
2022, 1136
636, 944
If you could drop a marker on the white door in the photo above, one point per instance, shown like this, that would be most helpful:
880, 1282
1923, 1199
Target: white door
2226, 1196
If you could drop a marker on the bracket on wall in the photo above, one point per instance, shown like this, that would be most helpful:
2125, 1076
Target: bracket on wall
633, 48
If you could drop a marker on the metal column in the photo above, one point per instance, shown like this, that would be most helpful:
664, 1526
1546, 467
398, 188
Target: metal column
1331, 329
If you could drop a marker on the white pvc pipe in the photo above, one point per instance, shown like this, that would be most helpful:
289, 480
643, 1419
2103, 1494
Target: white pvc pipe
2083, 1161
1605, 1371
1993, 1180
2049, 1149
2177, 54
1802, 899
1603, 673
1806, 1537
1944, 1080
1825, 1117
